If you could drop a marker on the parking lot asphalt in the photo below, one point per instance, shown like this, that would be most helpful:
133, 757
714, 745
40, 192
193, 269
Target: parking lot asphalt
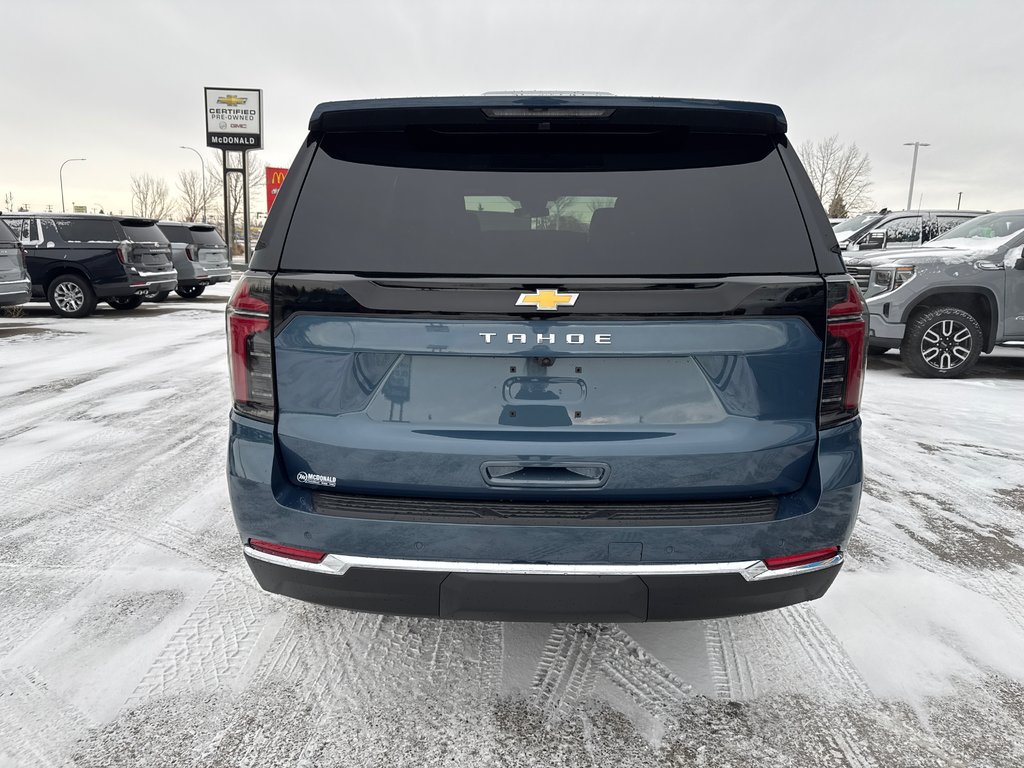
131, 632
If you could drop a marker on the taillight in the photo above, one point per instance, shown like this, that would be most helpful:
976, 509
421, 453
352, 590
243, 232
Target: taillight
124, 250
249, 347
845, 352
23, 258
192, 252
804, 558
283, 550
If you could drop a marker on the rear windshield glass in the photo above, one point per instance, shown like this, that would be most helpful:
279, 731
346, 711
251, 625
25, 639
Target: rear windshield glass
651, 204
146, 233
88, 230
6, 235
176, 233
203, 236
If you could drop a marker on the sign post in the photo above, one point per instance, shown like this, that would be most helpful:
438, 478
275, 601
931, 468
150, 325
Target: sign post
234, 122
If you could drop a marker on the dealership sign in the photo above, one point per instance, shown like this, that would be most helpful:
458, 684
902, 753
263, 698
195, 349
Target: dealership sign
234, 118
275, 178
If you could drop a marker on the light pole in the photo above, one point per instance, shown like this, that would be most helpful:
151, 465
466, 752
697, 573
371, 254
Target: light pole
60, 173
202, 175
913, 169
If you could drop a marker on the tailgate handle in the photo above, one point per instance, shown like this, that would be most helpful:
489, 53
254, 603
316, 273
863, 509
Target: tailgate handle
512, 474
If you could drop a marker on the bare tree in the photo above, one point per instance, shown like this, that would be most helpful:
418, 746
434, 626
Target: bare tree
195, 193
150, 197
838, 172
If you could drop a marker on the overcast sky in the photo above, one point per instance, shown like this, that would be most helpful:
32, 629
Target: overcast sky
121, 83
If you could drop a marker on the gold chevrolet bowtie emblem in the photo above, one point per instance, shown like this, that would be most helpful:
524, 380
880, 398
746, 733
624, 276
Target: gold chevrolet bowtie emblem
231, 100
547, 299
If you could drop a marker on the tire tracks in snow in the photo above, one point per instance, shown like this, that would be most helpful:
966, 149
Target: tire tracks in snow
792, 653
988, 576
38, 728
577, 658
330, 669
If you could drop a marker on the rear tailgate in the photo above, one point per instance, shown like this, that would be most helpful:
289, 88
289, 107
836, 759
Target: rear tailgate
150, 250
656, 408
213, 252
488, 312
11, 264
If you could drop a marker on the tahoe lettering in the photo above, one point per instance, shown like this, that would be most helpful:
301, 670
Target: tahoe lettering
546, 338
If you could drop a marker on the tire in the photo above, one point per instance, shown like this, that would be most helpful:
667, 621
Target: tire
191, 292
125, 303
160, 296
942, 343
71, 295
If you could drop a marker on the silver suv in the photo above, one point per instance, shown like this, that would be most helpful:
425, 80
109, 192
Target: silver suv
945, 304
897, 229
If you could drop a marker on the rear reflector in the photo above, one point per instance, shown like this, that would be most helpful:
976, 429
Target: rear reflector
283, 550
804, 558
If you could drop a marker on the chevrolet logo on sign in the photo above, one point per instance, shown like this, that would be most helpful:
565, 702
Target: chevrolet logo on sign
547, 299
232, 101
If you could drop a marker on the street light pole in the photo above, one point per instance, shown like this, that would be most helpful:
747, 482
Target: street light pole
202, 175
913, 169
60, 173
959, 195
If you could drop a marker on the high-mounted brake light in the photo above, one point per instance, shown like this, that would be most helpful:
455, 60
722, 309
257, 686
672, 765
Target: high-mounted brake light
249, 347
804, 558
547, 112
283, 550
845, 352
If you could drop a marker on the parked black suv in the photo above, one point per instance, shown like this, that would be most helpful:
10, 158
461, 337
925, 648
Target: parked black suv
546, 358
75, 260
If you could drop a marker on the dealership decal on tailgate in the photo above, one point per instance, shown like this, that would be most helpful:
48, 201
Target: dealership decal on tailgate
313, 479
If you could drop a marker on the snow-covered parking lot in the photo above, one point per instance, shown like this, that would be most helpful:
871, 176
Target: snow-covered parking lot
131, 632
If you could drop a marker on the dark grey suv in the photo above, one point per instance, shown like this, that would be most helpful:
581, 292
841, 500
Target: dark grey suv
200, 257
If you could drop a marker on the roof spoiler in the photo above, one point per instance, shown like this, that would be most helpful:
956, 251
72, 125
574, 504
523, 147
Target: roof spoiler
612, 112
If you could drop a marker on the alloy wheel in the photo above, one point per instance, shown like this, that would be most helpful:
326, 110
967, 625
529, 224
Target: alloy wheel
69, 297
946, 345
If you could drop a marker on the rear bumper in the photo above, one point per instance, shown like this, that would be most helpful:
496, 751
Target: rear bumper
201, 276
15, 292
481, 591
270, 507
141, 284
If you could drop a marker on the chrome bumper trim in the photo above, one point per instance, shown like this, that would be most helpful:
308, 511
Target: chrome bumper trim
16, 282
337, 565
171, 275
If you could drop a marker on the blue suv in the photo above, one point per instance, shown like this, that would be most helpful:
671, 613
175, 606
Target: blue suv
545, 357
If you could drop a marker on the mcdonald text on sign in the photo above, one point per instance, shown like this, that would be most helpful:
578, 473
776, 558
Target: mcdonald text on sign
275, 178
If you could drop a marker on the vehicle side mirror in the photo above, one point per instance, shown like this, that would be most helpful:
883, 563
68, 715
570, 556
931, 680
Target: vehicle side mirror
873, 241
